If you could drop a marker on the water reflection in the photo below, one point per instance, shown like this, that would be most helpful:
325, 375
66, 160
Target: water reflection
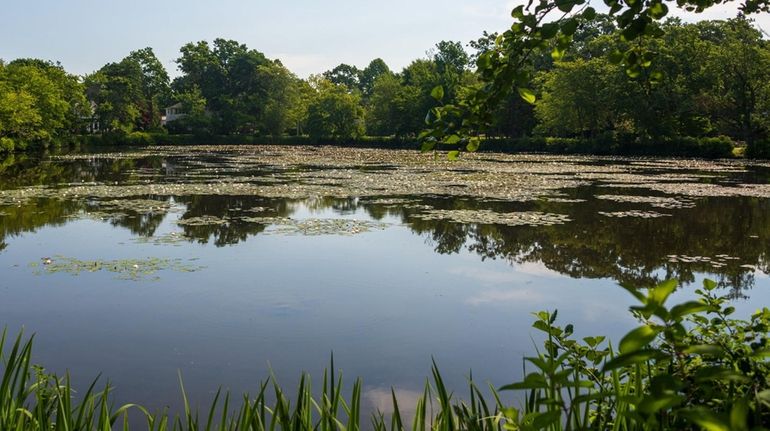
724, 236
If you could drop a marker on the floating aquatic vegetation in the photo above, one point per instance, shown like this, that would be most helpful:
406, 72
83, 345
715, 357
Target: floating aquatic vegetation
391, 201
205, 220
300, 172
314, 226
655, 201
97, 215
704, 189
126, 269
565, 200
171, 238
142, 206
716, 262
524, 218
634, 213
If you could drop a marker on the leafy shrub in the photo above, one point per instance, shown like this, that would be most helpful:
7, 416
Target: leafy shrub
685, 367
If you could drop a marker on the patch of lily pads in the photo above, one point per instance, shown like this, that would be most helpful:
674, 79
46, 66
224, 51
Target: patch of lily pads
170, 238
206, 220
718, 261
386, 176
655, 201
316, 226
141, 206
391, 201
564, 200
634, 213
125, 269
523, 218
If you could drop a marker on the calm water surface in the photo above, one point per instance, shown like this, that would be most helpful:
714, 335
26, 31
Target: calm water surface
225, 263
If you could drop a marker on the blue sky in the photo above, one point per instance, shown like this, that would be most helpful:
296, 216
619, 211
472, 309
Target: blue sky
308, 36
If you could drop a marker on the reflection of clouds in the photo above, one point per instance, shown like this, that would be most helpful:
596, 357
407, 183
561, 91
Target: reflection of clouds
507, 276
381, 400
592, 311
538, 269
511, 295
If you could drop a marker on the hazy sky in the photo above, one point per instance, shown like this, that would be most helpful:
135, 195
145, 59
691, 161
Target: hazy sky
307, 36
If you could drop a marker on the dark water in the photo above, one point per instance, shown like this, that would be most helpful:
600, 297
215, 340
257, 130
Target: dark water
225, 264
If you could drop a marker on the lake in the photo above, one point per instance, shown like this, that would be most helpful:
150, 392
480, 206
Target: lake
227, 264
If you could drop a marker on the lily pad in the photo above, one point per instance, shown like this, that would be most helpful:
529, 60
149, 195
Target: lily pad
313, 226
126, 269
525, 218
634, 213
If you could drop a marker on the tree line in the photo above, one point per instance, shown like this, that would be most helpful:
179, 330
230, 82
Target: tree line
712, 78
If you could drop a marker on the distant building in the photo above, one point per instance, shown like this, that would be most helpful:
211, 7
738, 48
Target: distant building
173, 113
90, 123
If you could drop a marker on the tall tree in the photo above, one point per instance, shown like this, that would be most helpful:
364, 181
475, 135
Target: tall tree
228, 75
39, 102
117, 91
369, 75
344, 74
155, 87
334, 112
282, 93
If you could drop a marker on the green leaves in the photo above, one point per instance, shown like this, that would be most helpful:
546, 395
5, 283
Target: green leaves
638, 338
569, 27
660, 293
451, 140
527, 95
633, 358
473, 144
532, 381
437, 93
658, 10
687, 308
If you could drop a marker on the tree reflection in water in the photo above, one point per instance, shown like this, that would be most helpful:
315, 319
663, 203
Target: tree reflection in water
726, 237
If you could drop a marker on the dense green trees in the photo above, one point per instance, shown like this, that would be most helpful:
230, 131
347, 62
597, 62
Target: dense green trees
130, 94
695, 80
39, 102
715, 77
334, 111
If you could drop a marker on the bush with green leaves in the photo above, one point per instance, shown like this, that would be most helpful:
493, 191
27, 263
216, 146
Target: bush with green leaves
690, 366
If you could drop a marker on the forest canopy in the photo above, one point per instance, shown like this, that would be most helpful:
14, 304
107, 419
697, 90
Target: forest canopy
699, 80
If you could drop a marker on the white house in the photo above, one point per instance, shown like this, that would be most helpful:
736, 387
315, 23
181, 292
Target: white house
173, 113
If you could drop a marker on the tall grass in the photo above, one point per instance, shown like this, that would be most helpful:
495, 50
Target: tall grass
690, 366
31, 399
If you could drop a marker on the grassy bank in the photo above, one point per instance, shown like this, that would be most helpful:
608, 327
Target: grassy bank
711, 147
690, 366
